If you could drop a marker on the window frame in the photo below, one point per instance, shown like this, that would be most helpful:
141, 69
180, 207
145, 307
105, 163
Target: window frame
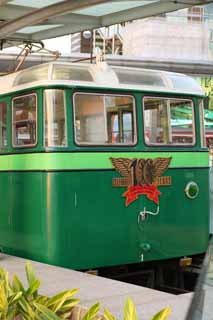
66, 117
170, 127
134, 112
4, 147
12, 121
203, 131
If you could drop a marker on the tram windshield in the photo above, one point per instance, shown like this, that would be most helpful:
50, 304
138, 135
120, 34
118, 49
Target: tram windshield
104, 119
55, 118
168, 121
24, 114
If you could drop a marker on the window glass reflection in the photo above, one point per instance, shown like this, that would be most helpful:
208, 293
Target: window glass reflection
3, 124
104, 119
55, 118
24, 110
168, 121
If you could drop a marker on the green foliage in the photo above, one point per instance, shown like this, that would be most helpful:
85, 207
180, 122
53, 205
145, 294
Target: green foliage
163, 314
130, 311
92, 312
16, 302
108, 315
131, 314
8, 298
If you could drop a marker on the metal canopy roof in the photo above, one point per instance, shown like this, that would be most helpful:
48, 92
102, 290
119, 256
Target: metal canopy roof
36, 20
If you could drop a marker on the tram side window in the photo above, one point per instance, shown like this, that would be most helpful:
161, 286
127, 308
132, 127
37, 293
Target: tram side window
24, 115
168, 121
104, 119
3, 129
55, 118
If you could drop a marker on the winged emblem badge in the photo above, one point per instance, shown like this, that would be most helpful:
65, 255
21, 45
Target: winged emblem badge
141, 176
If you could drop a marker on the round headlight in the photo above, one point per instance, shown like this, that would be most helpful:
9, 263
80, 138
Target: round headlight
192, 190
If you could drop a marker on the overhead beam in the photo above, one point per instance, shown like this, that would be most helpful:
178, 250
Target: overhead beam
28, 16
37, 16
8, 11
144, 11
65, 30
16, 11
72, 18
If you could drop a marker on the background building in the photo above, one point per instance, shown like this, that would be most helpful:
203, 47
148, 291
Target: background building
184, 34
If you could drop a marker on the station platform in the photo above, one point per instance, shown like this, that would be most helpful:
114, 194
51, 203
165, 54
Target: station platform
111, 294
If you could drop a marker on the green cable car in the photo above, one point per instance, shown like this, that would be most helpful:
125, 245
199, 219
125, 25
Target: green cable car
95, 171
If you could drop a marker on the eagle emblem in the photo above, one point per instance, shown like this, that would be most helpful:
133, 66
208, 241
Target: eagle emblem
141, 176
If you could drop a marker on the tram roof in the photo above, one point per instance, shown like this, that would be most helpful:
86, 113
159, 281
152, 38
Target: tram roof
99, 75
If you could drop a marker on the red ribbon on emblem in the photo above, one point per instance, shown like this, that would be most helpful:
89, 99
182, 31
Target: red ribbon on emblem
133, 192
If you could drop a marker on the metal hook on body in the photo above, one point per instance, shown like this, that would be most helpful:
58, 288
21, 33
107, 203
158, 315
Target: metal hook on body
143, 214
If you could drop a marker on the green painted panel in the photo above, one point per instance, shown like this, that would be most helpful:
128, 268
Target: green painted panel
94, 160
78, 220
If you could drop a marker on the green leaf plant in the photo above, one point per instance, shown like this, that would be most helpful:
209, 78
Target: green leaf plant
131, 314
18, 303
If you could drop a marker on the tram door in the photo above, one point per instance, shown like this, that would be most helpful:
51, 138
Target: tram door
120, 130
108, 121
168, 122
